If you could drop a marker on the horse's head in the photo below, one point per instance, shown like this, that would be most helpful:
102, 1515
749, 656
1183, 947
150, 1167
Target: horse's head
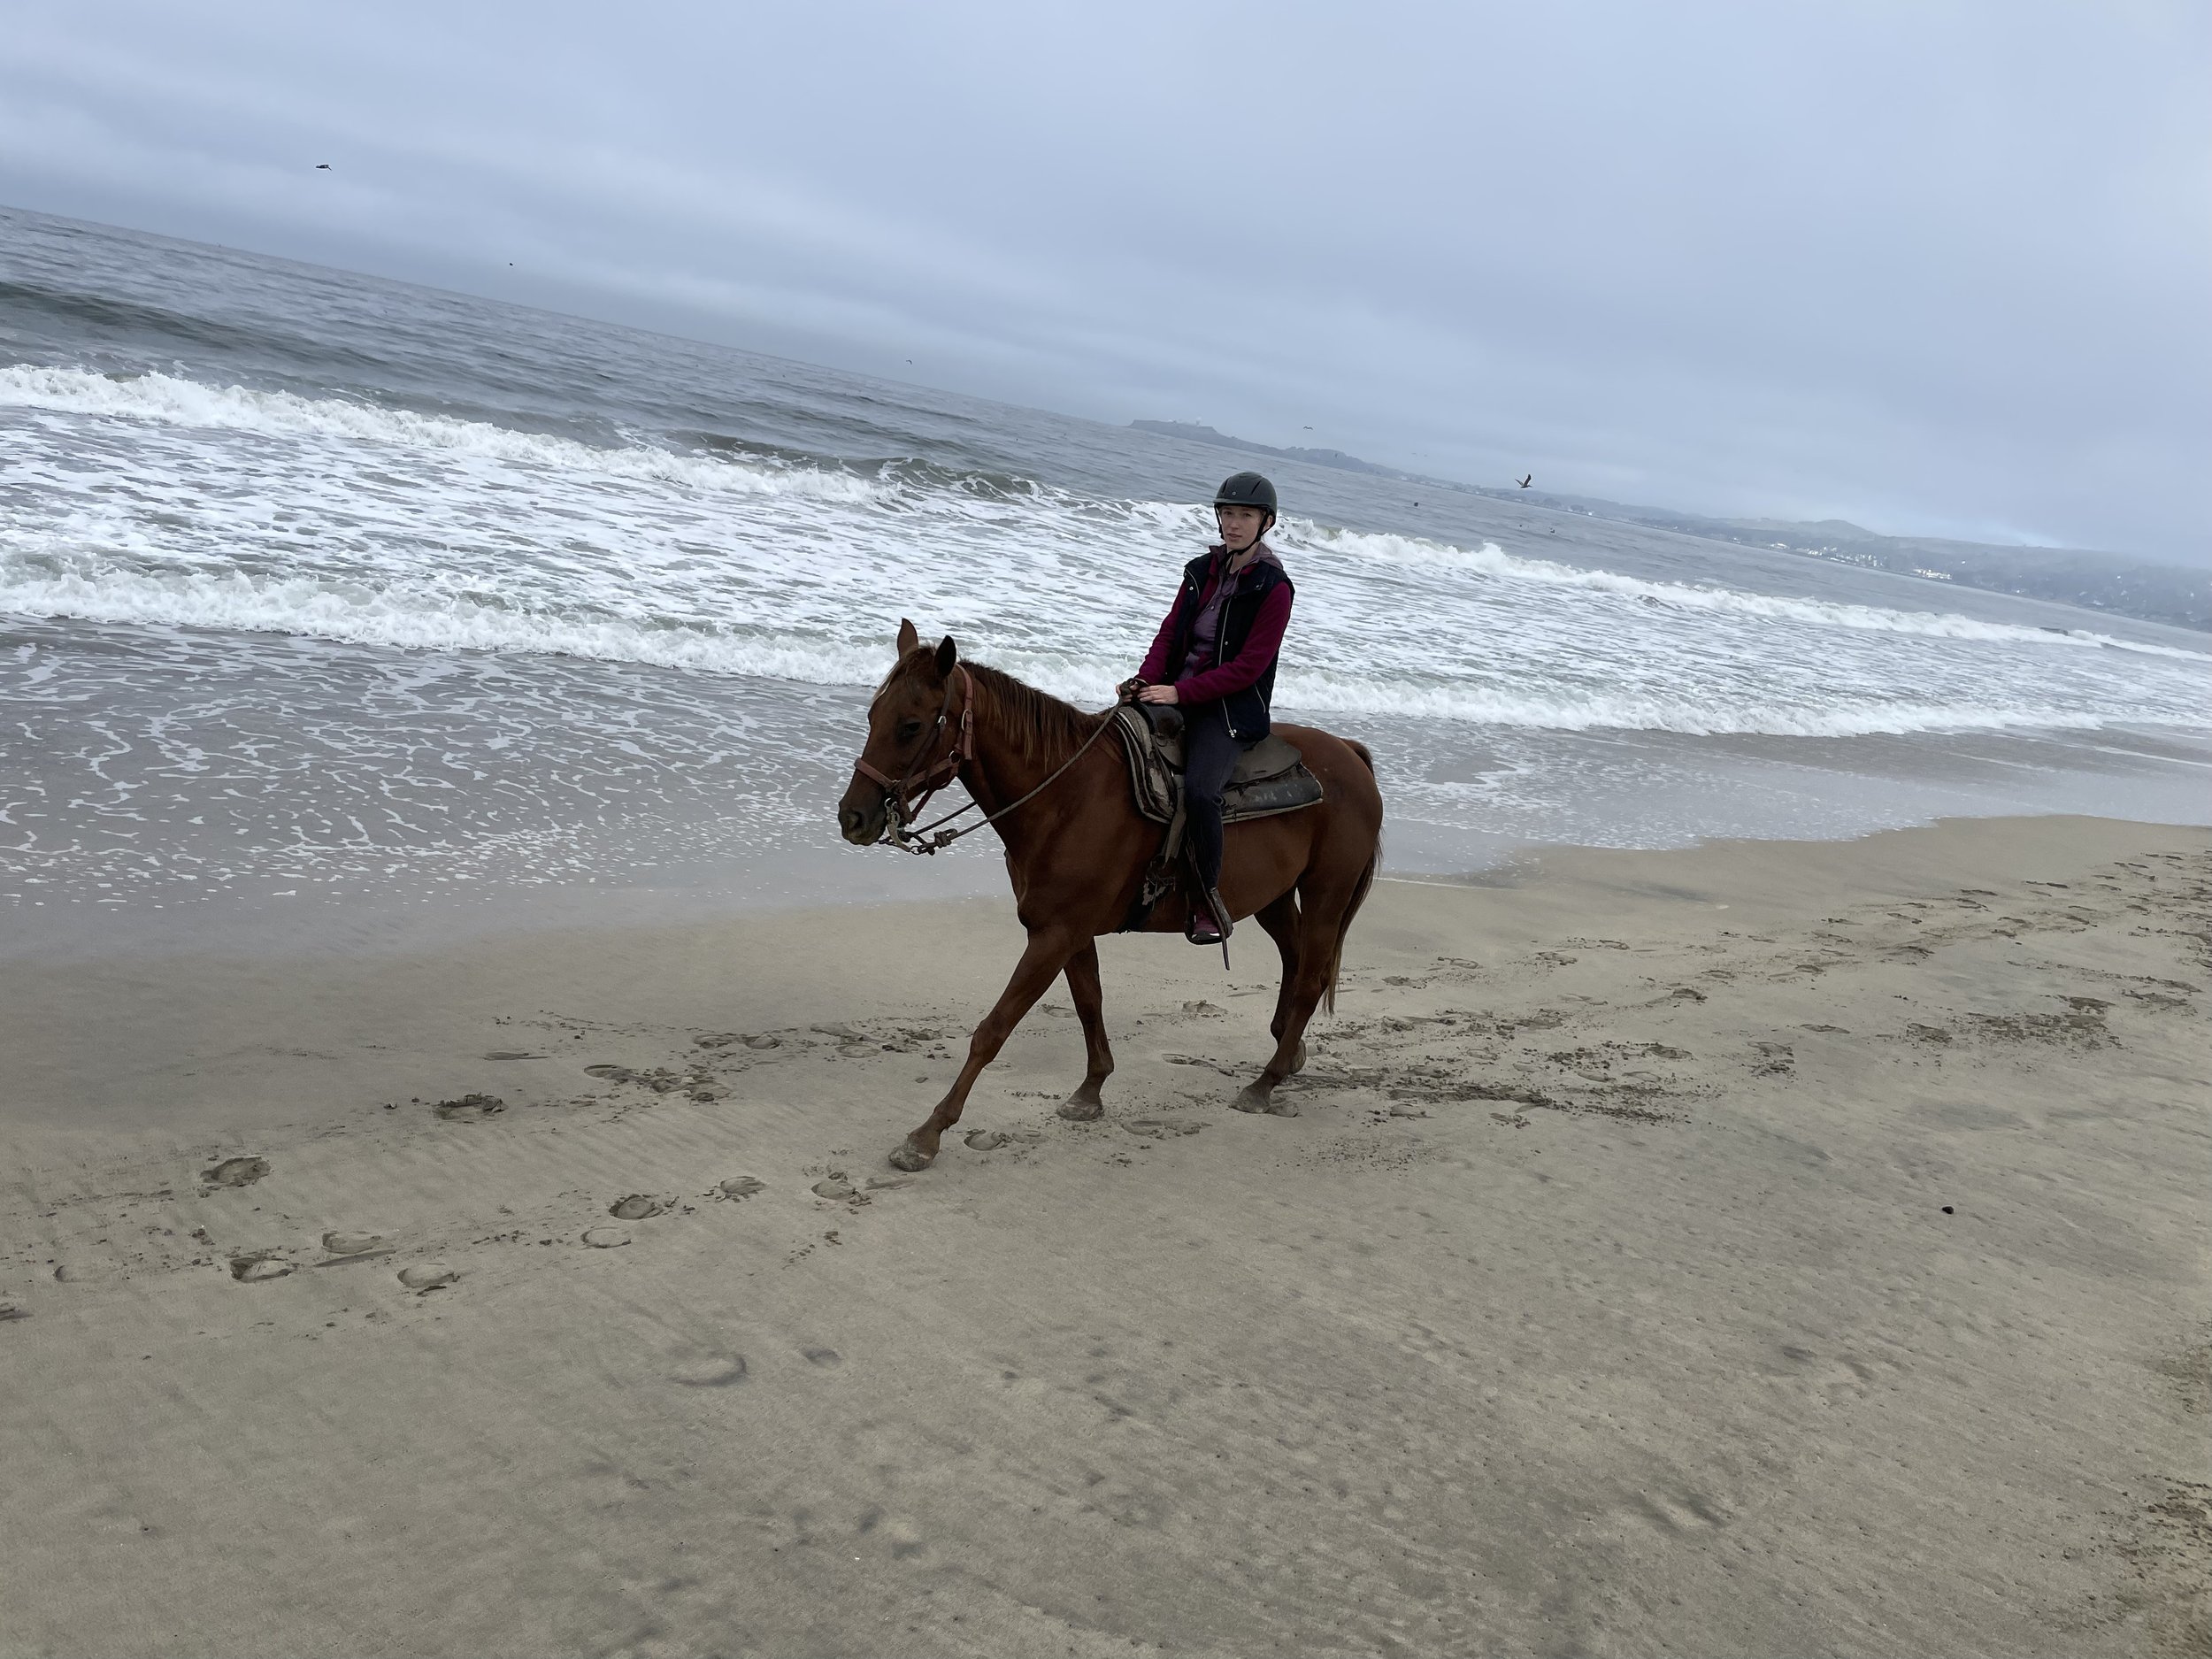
913, 743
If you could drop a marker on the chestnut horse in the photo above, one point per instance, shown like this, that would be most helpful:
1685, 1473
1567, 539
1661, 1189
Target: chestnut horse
1077, 853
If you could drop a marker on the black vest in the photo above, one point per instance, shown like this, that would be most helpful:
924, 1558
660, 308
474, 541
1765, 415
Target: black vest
1247, 710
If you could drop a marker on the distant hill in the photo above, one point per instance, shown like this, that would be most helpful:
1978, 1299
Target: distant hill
1337, 458
2116, 582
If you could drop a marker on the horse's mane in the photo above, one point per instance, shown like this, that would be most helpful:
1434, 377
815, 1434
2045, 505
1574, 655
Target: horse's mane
1035, 725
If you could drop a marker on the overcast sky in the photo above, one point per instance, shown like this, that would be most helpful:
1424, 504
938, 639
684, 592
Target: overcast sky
1944, 269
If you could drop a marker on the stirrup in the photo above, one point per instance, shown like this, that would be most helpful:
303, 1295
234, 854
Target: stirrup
1210, 923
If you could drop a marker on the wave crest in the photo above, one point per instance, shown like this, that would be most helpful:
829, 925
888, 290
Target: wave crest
174, 402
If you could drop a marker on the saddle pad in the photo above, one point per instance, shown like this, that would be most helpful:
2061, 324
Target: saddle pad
1271, 777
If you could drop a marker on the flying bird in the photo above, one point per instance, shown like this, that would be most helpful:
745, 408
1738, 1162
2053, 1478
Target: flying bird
322, 167
1529, 480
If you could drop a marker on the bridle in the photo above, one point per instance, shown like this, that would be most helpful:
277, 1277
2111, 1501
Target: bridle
905, 796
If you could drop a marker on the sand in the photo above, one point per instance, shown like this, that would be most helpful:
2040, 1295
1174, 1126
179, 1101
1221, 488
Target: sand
1763, 1248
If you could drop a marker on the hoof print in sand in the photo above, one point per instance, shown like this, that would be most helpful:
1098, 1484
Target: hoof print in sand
715, 1371
739, 1188
469, 1108
1203, 1009
236, 1172
606, 1238
985, 1141
640, 1206
426, 1277
513, 1053
1159, 1128
876, 1185
764, 1041
355, 1243
251, 1269
9, 1311
836, 1187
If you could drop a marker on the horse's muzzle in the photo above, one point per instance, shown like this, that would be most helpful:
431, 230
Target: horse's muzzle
863, 814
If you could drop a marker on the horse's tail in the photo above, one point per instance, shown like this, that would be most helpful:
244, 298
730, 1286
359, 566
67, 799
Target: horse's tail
1359, 892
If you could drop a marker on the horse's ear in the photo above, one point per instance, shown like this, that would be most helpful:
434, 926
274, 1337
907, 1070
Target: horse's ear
907, 638
947, 654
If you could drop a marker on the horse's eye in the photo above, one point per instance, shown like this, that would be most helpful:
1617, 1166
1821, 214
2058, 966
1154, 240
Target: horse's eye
909, 730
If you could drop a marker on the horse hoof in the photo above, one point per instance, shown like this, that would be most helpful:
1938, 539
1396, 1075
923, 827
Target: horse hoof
1252, 1098
1079, 1110
911, 1159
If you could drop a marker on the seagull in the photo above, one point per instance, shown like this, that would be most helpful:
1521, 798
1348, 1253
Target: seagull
1525, 483
322, 167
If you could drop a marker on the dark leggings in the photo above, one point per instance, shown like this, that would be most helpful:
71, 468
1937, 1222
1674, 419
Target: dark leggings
1209, 755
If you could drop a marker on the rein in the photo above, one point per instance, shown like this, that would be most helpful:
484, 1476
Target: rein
903, 811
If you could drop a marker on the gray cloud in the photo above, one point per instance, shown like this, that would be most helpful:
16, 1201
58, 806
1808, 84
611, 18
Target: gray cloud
1937, 268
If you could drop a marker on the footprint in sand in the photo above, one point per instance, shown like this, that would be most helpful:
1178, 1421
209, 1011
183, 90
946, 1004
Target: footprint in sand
355, 1243
739, 1188
764, 1041
836, 1187
469, 1108
9, 1311
426, 1277
251, 1270
640, 1206
513, 1053
606, 1238
236, 1172
984, 1140
823, 1356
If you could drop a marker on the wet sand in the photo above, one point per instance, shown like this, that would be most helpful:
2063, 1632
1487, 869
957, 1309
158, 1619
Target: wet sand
1767, 1247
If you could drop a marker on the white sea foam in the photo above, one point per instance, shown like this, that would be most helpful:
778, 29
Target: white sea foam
160, 398
1492, 560
158, 500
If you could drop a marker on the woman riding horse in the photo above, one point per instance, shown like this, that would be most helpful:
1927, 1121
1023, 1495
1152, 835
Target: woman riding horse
1215, 659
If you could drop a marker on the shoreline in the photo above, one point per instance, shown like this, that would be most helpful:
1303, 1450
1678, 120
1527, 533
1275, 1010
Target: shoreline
1603, 1295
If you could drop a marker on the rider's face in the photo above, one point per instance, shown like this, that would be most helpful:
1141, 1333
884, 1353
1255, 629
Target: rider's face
1239, 526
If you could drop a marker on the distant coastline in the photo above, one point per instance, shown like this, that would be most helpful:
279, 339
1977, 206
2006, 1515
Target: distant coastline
2116, 582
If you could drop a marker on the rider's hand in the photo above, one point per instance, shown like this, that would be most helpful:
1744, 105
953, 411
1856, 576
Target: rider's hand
1126, 692
1157, 694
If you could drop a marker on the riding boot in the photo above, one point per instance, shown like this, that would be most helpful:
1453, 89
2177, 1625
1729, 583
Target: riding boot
1210, 919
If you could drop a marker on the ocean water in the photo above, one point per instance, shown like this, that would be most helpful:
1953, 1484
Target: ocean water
314, 586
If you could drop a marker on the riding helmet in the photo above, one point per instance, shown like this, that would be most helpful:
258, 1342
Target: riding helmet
1246, 489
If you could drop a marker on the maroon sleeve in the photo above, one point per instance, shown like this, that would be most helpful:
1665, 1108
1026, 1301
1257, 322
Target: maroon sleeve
1260, 646
1156, 663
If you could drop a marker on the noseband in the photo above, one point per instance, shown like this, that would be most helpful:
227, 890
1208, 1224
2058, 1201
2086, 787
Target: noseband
906, 796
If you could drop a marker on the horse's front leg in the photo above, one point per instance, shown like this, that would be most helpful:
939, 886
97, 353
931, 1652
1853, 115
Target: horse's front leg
1047, 952
1084, 1103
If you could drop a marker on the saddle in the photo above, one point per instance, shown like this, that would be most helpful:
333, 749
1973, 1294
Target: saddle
1270, 777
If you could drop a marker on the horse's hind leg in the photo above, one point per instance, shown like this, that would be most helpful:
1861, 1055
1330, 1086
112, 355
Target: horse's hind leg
1306, 976
1084, 1103
1280, 919
1046, 954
